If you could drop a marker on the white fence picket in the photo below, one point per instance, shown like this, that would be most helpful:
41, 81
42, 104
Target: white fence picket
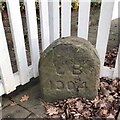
103, 30
44, 20
18, 39
117, 66
65, 18
115, 10
32, 34
2, 91
83, 19
5, 64
54, 20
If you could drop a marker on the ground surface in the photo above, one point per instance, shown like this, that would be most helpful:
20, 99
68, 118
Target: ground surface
17, 105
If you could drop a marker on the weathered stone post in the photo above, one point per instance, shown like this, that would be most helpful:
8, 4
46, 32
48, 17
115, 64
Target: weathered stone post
69, 67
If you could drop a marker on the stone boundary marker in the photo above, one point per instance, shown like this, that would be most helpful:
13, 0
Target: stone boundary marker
69, 67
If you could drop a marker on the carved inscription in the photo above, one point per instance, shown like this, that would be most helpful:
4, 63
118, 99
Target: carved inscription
77, 83
50, 84
59, 85
71, 85
77, 70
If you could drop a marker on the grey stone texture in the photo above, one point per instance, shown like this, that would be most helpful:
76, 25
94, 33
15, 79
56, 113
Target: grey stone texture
69, 67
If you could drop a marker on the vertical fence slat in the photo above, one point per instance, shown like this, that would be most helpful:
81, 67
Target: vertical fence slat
2, 91
53, 7
117, 66
103, 30
115, 10
32, 34
5, 64
18, 39
65, 18
83, 18
44, 21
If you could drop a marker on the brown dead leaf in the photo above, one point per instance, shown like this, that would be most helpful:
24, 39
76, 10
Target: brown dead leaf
79, 106
52, 111
95, 100
115, 82
103, 105
63, 116
24, 98
111, 116
110, 98
103, 112
72, 100
86, 113
13, 104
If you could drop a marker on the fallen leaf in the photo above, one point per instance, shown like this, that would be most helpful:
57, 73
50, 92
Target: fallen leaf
86, 113
79, 106
52, 111
103, 105
24, 98
103, 112
110, 98
63, 116
77, 114
111, 116
13, 104
115, 83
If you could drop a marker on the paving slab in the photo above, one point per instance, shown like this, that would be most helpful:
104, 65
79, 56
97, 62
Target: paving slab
34, 103
15, 112
5, 101
32, 116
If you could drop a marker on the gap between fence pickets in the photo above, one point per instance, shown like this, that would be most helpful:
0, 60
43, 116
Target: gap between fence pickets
17, 80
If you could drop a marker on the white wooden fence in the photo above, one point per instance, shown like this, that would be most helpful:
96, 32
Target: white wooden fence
50, 24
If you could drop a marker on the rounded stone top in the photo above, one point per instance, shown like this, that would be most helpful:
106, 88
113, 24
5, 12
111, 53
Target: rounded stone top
69, 67
77, 42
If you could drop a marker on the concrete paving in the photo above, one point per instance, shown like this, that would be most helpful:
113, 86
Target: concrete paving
32, 108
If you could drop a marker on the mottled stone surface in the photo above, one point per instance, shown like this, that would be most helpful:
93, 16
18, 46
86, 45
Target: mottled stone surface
69, 67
